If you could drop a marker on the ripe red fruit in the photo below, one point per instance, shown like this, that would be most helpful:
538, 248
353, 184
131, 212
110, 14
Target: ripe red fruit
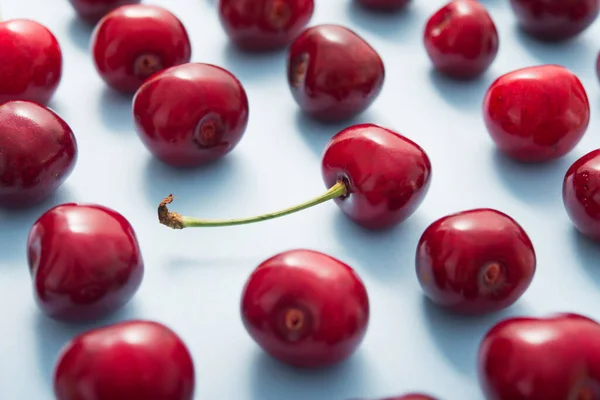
461, 39
475, 261
191, 114
305, 308
554, 20
38, 152
131, 360
92, 11
384, 4
375, 195
85, 261
259, 25
551, 358
333, 73
580, 191
133, 42
380, 194
31, 67
536, 114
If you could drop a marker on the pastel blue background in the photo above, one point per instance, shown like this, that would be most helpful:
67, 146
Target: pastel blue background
194, 278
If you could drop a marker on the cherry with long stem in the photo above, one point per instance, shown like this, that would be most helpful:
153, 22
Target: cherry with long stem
177, 221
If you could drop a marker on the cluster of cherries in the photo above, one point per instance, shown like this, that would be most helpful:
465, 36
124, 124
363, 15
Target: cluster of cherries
303, 307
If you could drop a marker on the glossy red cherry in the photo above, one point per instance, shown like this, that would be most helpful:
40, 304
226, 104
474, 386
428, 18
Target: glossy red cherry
259, 25
461, 39
376, 176
551, 358
31, 67
133, 42
475, 262
536, 114
333, 73
38, 152
92, 11
85, 261
581, 194
554, 20
305, 308
386, 5
191, 114
131, 360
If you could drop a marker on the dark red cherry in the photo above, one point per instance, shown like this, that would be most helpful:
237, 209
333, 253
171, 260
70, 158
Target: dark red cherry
545, 358
384, 5
38, 152
85, 261
130, 360
133, 42
92, 11
536, 114
461, 39
305, 308
333, 73
475, 262
191, 114
31, 66
259, 25
376, 176
387, 175
554, 20
581, 194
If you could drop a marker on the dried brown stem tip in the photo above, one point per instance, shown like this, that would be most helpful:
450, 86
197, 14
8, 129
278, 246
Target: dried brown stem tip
168, 218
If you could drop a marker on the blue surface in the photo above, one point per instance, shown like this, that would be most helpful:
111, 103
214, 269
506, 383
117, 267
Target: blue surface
194, 278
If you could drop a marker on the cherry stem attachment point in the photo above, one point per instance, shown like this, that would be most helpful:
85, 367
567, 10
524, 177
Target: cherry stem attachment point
177, 221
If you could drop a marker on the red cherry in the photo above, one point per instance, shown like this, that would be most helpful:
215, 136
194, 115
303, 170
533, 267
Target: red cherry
554, 20
131, 360
411, 396
581, 194
551, 358
333, 73
31, 67
38, 152
305, 308
133, 42
387, 174
461, 39
536, 114
85, 261
376, 176
475, 262
384, 4
92, 11
259, 25
191, 114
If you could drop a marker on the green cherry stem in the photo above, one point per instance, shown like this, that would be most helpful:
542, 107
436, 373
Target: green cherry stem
176, 221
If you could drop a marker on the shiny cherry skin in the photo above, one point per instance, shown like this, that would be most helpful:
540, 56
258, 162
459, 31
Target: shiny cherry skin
32, 62
305, 308
475, 262
84, 260
555, 20
547, 358
536, 114
38, 152
387, 174
384, 5
333, 73
130, 360
134, 42
92, 11
461, 39
261, 25
192, 114
581, 194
